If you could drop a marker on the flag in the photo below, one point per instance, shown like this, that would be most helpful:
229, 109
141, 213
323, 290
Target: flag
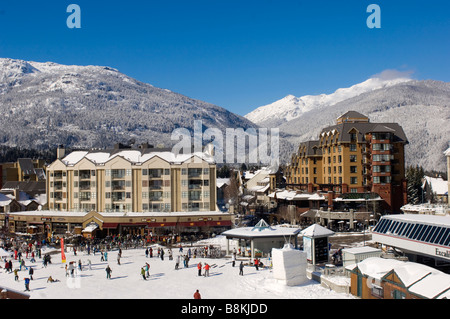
63, 255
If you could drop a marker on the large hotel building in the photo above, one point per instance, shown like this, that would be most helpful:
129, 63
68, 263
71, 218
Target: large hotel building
132, 180
125, 190
353, 156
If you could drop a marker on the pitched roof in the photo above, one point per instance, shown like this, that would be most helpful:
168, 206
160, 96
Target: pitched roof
352, 115
362, 128
316, 231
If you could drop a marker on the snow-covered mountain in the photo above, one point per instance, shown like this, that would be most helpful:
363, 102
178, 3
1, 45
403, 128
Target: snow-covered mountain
46, 104
291, 107
422, 108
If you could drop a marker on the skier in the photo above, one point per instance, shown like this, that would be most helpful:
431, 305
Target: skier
256, 263
108, 272
106, 256
118, 259
162, 254
146, 252
199, 267
233, 260
16, 275
147, 268
197, 295
241, 269
143, 273
151, 252
89, 264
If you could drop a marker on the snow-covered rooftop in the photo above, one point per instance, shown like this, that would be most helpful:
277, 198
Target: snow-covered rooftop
438, 185
418, 278
261, 230
136, 157
316, 231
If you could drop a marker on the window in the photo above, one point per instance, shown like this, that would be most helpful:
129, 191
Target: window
430, 233
352, 147
352, 169
417, 232
145, 172
353, 180
423, 232
377, 291
437, 236
353, 158
444, 236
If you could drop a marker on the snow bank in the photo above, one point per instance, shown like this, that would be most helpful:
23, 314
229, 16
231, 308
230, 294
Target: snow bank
289, 265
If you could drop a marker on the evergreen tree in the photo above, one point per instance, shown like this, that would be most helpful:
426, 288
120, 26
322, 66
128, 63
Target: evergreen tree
414, 176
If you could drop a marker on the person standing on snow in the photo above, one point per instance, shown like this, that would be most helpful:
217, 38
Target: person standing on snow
241, 269
177, 263
206, 270
197, 295
27, 284
199, 267
143, 273
108, 272
162, 254
31, 272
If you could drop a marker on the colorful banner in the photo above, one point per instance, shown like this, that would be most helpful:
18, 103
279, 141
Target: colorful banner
63, 255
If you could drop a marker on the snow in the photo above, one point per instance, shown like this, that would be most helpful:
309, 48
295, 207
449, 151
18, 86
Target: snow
291, 107
255, 232
133, 156
164, 283
316, 231
289, 265
438, 185
419, 279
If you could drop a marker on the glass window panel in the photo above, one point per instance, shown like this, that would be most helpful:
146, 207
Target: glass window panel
408, 229
400, 229
444, 236
447, 241
386, 227
423, 232
435, 236
405, 228
430, 233
417, 231
379, 226
440, 235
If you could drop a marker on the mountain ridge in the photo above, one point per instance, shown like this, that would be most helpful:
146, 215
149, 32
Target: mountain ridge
46, 104
422, 108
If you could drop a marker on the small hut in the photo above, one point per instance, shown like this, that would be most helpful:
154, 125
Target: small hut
262, 237
315, 243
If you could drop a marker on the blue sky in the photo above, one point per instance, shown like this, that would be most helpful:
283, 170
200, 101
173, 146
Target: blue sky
235, 54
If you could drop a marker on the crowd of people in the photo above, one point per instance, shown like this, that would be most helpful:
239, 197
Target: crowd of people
27, 254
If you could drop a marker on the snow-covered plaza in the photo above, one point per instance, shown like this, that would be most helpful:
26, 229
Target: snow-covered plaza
164, 282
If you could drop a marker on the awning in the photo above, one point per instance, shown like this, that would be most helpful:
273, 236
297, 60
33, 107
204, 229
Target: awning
110, 225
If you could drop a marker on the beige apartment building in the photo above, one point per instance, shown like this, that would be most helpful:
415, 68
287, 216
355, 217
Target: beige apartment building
123, 179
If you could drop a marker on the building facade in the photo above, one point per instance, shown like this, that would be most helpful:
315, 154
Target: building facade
132, 180
353, 156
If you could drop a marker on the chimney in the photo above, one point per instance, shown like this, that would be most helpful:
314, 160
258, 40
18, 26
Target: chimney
60, 152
